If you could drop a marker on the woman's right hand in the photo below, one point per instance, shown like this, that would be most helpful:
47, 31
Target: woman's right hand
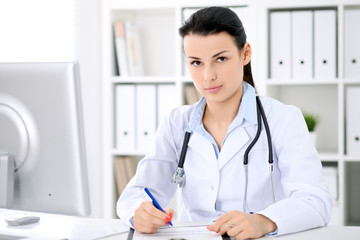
147, 218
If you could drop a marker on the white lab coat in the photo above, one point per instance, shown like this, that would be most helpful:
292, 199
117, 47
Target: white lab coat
215, 186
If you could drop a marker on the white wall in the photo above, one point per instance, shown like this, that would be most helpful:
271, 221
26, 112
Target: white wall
87, 52
61, 30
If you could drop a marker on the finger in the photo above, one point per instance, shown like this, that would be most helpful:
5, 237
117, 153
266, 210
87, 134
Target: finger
145, 221
152, 210
242, 235
234, 231
226, 227
216, 227
169, 212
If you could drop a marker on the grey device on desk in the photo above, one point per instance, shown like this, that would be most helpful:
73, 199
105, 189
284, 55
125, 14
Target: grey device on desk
41, 126
22, 220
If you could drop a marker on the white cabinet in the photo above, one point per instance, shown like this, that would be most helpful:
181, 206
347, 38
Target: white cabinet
305, 53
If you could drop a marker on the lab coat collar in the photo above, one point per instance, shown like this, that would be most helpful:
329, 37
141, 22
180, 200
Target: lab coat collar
202, 146
237, 140
247, 110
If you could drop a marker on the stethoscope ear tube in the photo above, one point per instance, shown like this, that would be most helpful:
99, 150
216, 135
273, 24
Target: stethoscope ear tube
184, 149
267, 129
246, 155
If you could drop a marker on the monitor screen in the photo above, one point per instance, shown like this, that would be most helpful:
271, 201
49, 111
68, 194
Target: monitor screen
41, 125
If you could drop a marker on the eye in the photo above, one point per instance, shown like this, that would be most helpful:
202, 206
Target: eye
195, 63
221, 59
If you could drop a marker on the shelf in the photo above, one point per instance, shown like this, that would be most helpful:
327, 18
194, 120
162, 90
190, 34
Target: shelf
201, 3
116, 152
329, 156
135, 4
271, 81
352, 158
144, 79
351, 81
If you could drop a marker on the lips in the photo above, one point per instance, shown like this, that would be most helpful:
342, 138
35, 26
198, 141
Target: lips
213, 89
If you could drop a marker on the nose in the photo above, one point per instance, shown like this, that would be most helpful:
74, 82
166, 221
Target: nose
209, 73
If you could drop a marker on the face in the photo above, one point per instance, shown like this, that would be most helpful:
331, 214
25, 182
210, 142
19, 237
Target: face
216, 65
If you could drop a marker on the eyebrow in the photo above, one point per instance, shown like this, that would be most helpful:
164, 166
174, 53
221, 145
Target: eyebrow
214, 56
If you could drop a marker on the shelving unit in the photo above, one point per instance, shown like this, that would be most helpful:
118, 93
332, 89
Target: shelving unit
158, 23
326, 98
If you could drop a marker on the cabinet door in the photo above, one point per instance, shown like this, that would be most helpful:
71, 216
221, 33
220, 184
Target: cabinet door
125, 117
145, 115
302, 44
352, 40
325, 44
280, 65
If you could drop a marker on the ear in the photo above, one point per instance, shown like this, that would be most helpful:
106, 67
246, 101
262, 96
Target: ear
247, 53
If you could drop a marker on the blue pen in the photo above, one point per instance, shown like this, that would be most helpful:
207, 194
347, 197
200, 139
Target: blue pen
156, 204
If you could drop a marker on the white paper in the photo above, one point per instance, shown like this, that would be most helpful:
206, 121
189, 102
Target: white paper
180, 231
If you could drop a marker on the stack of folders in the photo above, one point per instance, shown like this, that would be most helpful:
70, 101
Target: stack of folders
128, 49
125, 168
303, 44
139, 110
191, 95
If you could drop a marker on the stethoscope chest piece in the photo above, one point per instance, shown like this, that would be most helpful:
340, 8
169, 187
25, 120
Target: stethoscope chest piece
179, 177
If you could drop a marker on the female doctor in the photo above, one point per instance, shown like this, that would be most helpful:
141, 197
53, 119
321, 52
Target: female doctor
245, 192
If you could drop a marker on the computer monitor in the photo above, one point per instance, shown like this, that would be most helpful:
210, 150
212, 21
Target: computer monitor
41, 125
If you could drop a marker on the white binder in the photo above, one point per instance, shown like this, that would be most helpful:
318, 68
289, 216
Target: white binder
145, 115
280, 49
302, 44
325, 44
352, 121
352, 40
125, 117
166, 100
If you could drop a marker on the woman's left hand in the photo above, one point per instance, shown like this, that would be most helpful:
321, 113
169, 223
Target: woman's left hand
242, 225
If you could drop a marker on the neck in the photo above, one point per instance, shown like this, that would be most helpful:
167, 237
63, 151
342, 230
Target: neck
223, 113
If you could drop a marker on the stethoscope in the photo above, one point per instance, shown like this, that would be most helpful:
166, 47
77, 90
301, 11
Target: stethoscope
180, 177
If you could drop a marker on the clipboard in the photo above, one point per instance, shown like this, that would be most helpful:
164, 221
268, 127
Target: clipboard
131, 234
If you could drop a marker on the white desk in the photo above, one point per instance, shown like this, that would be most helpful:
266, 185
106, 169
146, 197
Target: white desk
52, 226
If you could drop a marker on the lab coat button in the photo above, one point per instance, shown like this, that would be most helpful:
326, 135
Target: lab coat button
212, 187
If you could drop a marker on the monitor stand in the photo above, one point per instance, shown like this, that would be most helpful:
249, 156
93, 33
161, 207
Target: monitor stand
7, 169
